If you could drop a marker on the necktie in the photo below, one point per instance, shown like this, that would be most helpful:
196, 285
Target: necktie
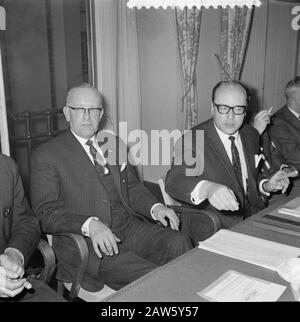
236, 163
99, 164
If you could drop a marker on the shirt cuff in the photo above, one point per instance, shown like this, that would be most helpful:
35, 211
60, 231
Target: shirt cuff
197, 193
85, 227
261, 189
151, 210
16, 251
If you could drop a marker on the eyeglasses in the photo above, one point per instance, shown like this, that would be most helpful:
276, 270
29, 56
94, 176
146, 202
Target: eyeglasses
94, 111
224, 109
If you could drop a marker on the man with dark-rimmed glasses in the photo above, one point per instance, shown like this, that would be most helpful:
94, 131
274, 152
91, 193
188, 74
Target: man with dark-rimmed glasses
231, 181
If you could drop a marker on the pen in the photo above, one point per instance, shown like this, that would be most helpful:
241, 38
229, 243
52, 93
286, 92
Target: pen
270, 109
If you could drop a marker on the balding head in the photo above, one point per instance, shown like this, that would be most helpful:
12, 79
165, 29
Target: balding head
81, 91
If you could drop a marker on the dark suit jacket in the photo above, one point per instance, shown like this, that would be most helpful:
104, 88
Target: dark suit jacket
285, 133
218, 168
66, 191
19, 228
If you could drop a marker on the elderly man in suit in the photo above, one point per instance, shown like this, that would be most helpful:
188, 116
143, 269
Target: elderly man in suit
75, 189
20, 234
231, 181
284, 130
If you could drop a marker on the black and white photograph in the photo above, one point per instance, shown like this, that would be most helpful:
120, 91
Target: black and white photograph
150, 154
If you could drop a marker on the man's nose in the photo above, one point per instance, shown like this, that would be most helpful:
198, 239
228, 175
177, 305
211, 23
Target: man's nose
230, 114
86, 114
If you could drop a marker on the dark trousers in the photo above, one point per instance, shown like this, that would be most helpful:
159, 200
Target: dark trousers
143, 247
40, 292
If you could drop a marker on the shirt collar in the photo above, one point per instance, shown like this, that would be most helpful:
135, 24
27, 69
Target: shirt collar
294, 112
224, 137
83, 141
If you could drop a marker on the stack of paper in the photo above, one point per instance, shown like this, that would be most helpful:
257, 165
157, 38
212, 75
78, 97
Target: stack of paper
250, 249
236, 287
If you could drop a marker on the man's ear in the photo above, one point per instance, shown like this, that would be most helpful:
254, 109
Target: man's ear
66, 113
212, 108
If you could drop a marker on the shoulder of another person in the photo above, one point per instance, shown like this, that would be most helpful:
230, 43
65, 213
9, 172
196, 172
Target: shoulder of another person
9, 164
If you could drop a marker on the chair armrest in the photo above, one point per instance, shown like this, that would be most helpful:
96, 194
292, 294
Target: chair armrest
49, 261
84, 258
210, 214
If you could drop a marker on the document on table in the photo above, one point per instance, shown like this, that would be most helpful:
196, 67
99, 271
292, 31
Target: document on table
292, 208
250, 249
236, 287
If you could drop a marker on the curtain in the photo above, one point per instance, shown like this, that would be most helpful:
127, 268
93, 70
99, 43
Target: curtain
4, 136
117, 67
188, 23
235, 30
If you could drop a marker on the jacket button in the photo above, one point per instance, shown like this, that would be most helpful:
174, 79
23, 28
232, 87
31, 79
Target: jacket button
6, 212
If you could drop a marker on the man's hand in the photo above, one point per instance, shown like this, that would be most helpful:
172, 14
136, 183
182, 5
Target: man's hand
102, 237
261, 120
279, 181
12, 262
161, 213
220, 196
11, 287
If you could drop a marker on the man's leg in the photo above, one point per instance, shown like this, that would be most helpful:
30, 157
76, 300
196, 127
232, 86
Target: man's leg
155, 242
119, 270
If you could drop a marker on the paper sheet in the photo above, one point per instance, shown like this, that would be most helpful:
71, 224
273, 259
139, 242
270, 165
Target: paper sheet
292, 208
250, 249
236, 287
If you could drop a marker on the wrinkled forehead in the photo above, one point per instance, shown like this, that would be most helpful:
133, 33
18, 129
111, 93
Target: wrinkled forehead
231, 95
85, 96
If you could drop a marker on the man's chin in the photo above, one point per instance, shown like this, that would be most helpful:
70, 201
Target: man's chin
230, 131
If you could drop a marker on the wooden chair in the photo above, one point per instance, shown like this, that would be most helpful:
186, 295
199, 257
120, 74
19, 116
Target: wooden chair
44, 273
75, 289
210, 218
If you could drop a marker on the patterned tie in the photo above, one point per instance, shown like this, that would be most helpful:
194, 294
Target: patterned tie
99, 164
236, 163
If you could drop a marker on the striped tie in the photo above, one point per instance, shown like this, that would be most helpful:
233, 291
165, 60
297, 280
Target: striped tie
97, 161
236, 163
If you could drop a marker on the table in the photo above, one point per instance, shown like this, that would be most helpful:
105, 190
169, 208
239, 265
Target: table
182, 278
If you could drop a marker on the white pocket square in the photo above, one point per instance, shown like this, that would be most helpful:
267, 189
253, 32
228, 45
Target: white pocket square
123, 166
258, 159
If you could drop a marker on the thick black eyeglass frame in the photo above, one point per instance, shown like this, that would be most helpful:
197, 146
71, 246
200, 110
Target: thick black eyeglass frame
231, 108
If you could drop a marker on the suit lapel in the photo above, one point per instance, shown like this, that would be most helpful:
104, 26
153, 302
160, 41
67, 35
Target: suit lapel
219, 149
75, 148
115, 173
248, 152
250, 160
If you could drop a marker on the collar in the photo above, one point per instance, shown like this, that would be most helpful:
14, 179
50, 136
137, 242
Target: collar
224, 137
83, 141
294, 112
